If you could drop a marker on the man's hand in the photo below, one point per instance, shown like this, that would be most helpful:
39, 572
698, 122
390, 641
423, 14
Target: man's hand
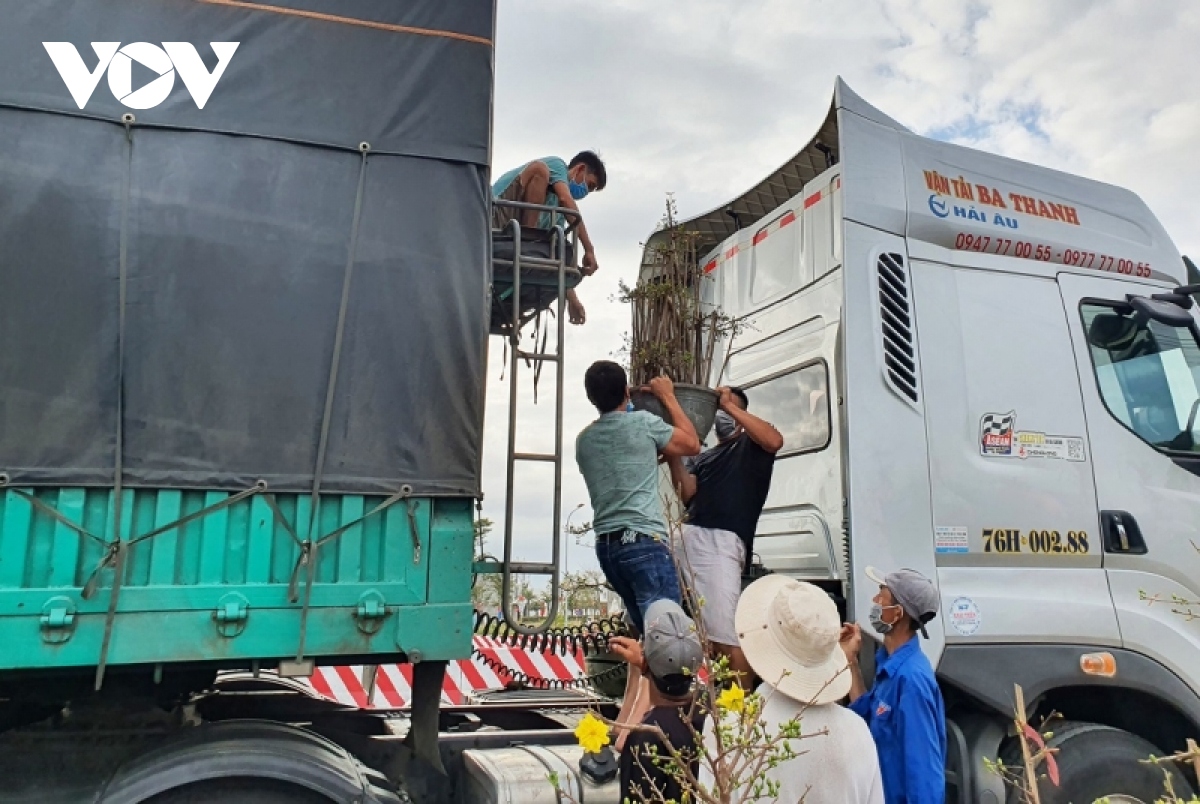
627, 650
590, 266
761, 432
851, 641
576, 314
663, 388
727, 400
683, 434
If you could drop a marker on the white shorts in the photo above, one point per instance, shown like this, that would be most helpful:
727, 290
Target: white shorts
710, 561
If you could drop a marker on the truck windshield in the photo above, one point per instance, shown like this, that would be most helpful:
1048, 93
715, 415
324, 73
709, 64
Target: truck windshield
1148, 373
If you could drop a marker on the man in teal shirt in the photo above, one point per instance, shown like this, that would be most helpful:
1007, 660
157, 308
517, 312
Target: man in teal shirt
618, 456
550, 181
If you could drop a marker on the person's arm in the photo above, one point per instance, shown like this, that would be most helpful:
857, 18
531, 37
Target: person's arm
636, 701
683, 441
762, 433
683, 480
576, 313
924, 763
563, 191
851, 642
860, 701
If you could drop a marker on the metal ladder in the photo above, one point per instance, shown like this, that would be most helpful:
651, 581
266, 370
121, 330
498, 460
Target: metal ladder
561, 237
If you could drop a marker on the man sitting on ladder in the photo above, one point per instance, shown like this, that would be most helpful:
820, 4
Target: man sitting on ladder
550, 181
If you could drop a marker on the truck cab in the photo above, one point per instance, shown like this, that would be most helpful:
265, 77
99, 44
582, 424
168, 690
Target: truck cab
987, 371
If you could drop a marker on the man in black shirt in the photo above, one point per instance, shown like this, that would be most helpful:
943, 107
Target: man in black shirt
724, 490
671, 658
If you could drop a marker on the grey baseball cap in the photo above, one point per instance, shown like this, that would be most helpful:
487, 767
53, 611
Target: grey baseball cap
915, 593
672, 647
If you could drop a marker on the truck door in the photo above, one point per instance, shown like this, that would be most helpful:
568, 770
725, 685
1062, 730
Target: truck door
1140, 370
1014, 502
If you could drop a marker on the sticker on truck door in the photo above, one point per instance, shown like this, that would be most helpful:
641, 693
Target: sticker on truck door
996, 433
951, 539
965, 616
1000, 438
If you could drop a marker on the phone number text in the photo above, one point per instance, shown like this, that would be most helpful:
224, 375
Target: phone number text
1004, 246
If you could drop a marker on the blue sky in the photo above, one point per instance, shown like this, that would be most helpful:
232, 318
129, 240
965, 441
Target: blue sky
703, 98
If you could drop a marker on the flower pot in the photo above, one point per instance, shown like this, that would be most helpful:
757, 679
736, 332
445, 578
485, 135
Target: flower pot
699, 405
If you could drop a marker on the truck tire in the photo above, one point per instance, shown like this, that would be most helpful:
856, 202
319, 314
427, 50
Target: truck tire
1097, 762
240, 791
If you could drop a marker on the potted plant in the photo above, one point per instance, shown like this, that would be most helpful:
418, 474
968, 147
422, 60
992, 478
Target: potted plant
673, 332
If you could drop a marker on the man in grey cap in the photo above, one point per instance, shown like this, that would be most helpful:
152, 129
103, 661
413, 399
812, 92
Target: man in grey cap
904, 709
670, 656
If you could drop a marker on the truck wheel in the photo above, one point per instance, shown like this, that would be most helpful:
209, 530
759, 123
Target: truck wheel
1102, 763
240, 791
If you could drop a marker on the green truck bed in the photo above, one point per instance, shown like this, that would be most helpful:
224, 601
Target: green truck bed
229, 585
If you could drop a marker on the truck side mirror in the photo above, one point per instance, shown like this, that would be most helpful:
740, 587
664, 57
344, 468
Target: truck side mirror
1193, 273
1163, 309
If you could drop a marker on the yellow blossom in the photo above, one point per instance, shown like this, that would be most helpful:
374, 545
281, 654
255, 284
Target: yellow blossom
591, 733
732, 699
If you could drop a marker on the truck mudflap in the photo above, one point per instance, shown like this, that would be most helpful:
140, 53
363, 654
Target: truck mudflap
988, 672
248, 749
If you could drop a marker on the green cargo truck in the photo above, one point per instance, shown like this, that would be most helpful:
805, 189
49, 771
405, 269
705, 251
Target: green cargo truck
245, 277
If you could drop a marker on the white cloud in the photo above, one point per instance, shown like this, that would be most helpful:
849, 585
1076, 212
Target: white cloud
703, 98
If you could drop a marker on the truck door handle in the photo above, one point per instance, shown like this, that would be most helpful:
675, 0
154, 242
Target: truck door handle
1121, 533
1122, 536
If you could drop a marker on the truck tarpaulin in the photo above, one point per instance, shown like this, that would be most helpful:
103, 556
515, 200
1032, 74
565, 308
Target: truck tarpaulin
203, 290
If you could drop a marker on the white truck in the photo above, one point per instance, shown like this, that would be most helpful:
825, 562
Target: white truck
986, 371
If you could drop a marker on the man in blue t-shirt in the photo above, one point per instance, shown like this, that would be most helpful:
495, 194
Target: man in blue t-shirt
550, 181
618, 457
904, 709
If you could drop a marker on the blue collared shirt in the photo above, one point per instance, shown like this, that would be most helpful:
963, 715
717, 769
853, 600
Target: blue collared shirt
908, 721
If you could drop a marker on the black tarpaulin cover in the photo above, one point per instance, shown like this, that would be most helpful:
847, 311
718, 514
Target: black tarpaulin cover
186, 275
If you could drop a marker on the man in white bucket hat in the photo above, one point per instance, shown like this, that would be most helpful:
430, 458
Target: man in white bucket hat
789, 633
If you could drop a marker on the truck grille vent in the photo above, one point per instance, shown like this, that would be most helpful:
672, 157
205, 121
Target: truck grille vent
895, 308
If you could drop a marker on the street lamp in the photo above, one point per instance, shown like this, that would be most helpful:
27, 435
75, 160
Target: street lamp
567, 534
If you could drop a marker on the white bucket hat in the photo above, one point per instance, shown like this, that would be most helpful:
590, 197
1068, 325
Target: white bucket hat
789, 631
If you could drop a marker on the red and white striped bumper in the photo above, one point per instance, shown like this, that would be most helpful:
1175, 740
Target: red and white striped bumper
393, 682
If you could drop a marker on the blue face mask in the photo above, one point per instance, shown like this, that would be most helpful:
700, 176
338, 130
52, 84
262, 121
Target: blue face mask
578, 191
629, 407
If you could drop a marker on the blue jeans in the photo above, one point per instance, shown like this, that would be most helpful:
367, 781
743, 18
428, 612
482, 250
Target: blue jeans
641, 571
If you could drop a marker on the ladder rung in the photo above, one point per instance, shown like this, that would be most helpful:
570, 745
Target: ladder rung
531, 568
537, 356
536, 262
534, 456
